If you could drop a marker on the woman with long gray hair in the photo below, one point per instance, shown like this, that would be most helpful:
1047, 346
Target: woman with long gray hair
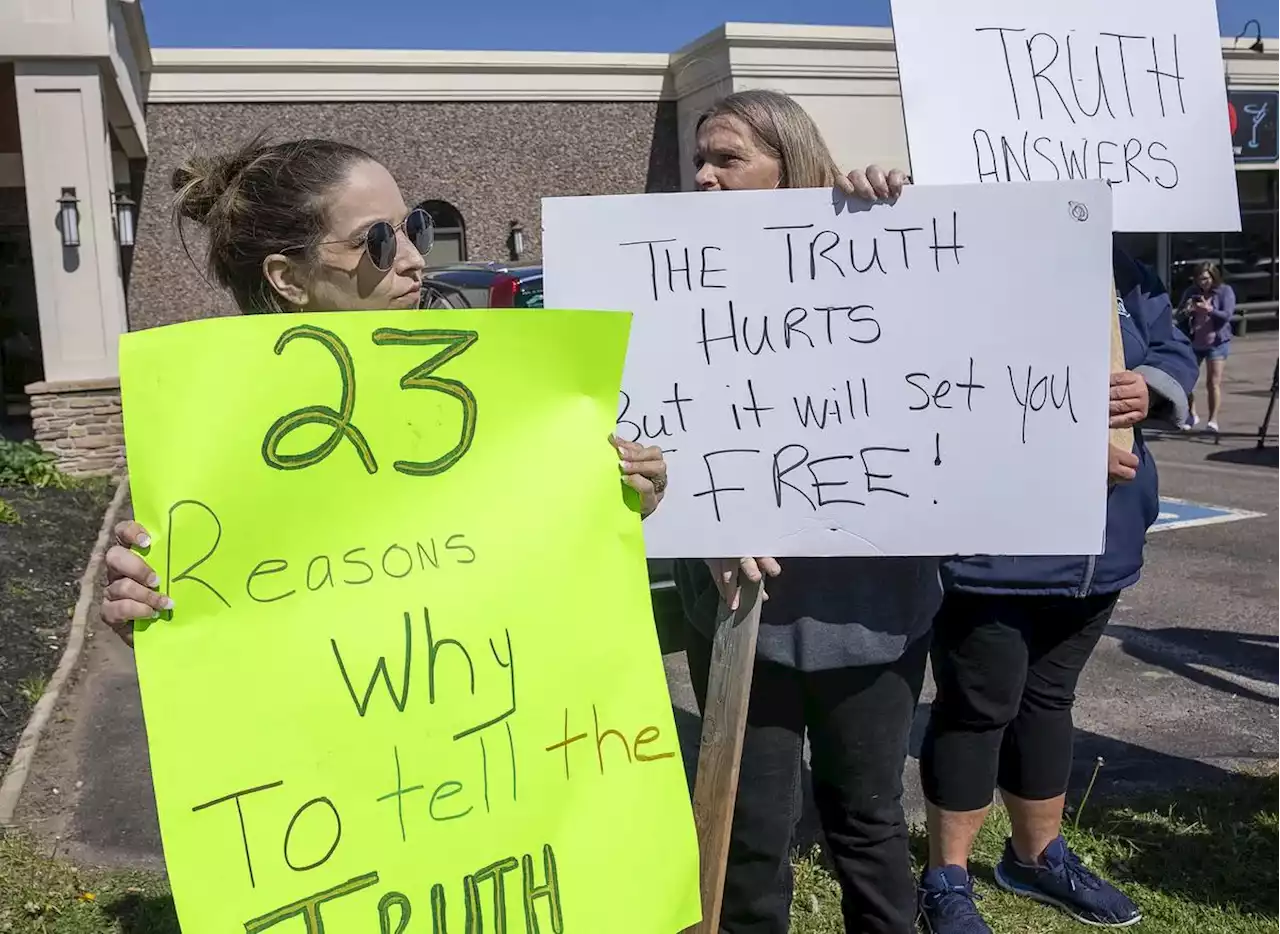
843, 641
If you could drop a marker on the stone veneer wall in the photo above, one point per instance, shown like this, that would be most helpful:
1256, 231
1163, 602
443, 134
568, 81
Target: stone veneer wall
81, 423
492, 161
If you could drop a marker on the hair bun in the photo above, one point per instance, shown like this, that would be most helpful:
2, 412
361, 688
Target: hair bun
204, 185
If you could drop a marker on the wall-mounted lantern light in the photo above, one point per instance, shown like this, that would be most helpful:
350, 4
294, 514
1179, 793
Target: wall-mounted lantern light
126, 211
516, 240
69, 218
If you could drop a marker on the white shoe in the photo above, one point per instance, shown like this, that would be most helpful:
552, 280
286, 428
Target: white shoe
1211, 427
1191, 422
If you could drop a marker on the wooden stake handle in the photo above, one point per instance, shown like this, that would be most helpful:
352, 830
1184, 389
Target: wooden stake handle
724, 722
1120, 437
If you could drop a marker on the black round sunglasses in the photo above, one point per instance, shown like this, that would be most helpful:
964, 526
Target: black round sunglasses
381, 243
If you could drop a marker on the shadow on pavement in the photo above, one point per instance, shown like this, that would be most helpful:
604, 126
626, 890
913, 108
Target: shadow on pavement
1268, 456
1129, 769
1179, 649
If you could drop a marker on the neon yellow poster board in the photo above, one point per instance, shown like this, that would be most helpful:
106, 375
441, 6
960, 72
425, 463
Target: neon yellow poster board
411, 681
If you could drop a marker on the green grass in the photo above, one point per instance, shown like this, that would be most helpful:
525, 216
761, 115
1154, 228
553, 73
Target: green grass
42, 894
1198, 862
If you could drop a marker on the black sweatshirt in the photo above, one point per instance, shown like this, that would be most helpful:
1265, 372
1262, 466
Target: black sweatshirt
825, 613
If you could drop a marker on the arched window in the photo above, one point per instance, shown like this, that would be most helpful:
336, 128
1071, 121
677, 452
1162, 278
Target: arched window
451, 233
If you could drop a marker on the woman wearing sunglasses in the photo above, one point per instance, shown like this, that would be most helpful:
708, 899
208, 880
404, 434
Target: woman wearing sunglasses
305, 226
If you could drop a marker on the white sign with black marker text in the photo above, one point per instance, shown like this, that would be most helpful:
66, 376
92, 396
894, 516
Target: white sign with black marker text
1132, 92
923, 378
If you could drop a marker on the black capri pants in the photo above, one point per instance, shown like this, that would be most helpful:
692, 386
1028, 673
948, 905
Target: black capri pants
1006, 669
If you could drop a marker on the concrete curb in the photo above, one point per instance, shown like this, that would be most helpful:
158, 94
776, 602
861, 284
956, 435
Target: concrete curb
16, 775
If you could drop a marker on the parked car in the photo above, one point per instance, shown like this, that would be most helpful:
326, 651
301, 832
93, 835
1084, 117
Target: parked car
482, 285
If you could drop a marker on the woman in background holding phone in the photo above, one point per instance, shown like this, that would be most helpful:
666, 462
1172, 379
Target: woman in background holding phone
1207, 307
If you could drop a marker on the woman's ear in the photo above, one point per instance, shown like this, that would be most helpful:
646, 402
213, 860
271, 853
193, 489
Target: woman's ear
285, 277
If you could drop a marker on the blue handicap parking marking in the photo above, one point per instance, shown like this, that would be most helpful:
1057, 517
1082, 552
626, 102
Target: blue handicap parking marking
1179, 514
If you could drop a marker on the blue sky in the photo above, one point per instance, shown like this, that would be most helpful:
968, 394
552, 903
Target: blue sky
568, 25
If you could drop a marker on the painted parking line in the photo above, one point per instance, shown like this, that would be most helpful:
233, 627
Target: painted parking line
1180, 514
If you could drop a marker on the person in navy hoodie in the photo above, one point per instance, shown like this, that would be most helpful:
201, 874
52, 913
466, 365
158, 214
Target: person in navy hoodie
1010, 640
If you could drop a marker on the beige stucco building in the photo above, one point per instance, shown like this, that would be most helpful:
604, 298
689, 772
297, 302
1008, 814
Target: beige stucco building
73, 138
480, 137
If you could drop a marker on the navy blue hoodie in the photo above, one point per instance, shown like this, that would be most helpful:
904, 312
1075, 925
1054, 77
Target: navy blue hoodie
1162, 354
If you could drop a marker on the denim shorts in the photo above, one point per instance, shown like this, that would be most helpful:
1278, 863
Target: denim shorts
1218, 352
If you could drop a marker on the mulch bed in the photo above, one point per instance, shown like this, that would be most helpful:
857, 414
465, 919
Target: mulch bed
41, 560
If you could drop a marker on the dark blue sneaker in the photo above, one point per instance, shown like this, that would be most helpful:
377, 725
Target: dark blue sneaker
947, 903
1063, 881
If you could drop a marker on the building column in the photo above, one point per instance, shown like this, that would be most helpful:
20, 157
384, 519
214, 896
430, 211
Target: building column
65, 144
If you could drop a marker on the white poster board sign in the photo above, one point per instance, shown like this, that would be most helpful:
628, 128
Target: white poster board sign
925, 378
1132, 92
